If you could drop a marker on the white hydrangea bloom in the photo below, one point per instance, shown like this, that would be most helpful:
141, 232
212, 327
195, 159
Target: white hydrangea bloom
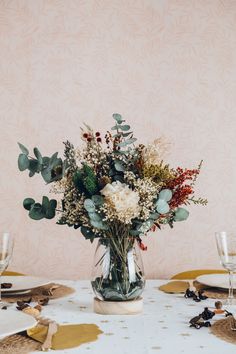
123, 200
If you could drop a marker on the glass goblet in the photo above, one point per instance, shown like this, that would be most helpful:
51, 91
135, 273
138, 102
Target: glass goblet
226, 245
6, 248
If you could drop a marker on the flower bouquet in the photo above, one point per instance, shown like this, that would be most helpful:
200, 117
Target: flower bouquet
116, 191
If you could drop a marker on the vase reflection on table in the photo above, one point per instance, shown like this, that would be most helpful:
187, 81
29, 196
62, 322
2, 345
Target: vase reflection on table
226, 245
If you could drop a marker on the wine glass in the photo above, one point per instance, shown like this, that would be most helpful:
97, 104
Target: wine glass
226, 245
6, 248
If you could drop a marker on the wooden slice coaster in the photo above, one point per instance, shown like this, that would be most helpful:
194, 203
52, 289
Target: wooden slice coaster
131, 307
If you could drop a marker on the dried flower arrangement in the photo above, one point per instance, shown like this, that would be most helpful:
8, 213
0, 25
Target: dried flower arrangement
112, 188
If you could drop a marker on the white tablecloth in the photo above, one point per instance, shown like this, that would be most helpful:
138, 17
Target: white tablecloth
162, 327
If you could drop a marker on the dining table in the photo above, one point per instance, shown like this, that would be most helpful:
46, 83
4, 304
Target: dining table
162, 327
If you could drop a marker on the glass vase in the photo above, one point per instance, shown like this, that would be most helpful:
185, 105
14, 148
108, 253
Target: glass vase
118, 273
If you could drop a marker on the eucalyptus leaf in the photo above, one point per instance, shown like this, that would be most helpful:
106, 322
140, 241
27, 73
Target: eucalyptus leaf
89, 205
98, 200
126, 134
23, 149
46, 161
124, 128
28, 202
134, 232
118, 118
47, 174
23, 162
36, 212
87, 233
119, 166
45, 202
162, 206
50, 213
181, 214
95, 217
53, 159
154, 216
34, 166
53, 203
165, 194
38, 155
99, 225
127, 142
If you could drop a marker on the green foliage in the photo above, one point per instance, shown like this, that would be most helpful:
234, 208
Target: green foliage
165, 194
87, 233
28, 202
164, 197
86, 181
23, 162
23, 149
118, 118
51, 168
98, 200
39, 211
89, 205
181, 214
122, 132
119, 166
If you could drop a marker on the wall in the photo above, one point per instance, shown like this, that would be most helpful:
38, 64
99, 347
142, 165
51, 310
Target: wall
167, 66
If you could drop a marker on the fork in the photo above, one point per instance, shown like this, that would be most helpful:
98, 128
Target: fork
52, 329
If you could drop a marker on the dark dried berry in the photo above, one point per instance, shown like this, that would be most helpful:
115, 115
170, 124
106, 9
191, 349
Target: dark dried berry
189, 293
89, 139
196, 298
97, 134
85, 135
21, 305
207, 314
201, 296
99, 140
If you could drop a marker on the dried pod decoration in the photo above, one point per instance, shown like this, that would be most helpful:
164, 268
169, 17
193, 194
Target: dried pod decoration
6, 285
33, 311
197, 296
21, 305
202, 320
44, 301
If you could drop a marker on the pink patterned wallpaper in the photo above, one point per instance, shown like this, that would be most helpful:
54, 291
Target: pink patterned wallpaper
169, 67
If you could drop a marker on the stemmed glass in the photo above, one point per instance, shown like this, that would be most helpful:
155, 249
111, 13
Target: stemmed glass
226, 245
6, 248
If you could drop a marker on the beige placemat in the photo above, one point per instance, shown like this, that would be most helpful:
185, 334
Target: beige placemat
51, 291
212, 293
222, 329
18, 344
